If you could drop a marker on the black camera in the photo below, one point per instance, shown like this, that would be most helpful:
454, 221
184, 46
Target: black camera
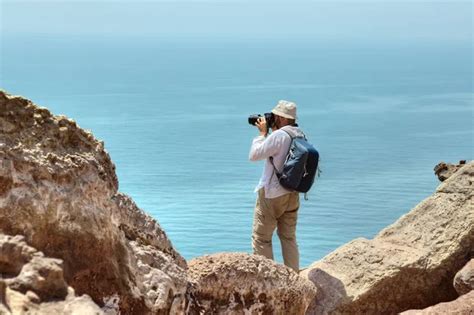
269, 117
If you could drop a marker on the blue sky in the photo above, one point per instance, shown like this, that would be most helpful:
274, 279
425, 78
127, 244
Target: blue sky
339, 20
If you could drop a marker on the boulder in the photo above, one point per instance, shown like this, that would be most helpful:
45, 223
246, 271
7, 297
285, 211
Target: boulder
464, 279
408, 265
59, 189
31, 283
238, 283
463, 305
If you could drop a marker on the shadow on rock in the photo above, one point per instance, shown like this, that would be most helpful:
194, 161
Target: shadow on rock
330, 291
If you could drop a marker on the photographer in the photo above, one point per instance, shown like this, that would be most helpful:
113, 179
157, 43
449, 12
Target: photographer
276, 207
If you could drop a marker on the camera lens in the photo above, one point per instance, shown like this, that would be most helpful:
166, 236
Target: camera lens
253, 119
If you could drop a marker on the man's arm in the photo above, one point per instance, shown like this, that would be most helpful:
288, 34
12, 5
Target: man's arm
262, 148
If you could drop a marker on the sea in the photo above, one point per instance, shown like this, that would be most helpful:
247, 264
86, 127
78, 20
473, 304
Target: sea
173, 115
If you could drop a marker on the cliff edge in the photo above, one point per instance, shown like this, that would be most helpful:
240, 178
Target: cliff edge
410, 264
58, 188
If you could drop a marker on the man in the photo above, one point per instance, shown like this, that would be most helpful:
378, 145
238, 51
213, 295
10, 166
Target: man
276, 207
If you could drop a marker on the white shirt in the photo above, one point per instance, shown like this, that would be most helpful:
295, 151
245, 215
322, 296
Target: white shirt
277, 145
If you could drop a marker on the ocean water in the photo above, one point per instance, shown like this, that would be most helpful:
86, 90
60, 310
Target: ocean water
173, 112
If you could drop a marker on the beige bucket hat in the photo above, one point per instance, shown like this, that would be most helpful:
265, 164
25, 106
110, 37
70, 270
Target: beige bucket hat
285, 109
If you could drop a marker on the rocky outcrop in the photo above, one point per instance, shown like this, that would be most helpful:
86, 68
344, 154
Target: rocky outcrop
445, 170
59, 189
411, 264
463, 305
464, 279
238, 283
33, 284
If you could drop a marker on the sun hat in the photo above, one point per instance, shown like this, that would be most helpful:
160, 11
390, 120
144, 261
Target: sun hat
285, 109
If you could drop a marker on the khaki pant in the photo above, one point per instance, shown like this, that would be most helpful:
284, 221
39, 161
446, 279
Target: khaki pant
280, 213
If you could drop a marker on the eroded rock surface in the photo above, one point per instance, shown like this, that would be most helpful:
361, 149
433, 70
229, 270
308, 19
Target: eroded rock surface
464, 279
238, 283
31, 283
58, 188
463, 305
410, 264
445, 170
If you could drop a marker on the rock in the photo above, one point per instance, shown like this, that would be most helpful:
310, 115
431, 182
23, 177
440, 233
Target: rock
59, 189
160, 272
463, 305
33, 284
410, 264
238, 283
444, 170
464, 279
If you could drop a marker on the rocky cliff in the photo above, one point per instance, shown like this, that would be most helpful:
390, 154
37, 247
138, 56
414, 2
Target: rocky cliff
58, 188
410, 264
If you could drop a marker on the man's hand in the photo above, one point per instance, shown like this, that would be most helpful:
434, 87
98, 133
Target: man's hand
262, 126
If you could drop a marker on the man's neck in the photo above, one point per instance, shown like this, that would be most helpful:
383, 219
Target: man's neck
293, 125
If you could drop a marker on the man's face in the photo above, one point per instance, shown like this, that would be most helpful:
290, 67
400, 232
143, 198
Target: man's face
279, 122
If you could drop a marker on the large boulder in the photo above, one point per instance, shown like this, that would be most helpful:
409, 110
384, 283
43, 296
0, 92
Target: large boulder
463, 305
59, 189
464, 279
408, 265
238, 283
31, 283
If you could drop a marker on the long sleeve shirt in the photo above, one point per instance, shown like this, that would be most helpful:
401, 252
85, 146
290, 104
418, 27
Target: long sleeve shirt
276, 145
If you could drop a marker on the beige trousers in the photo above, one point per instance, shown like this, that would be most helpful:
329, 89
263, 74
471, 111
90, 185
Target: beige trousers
280, 213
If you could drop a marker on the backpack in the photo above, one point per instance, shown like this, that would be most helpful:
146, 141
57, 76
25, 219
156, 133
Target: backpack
300, 166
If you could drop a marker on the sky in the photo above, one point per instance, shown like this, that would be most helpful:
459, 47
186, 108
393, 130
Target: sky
339, 20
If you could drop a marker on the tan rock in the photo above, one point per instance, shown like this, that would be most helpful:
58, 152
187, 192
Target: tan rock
463, 305
58, 187
238, 283
464, 279
410, 264
34, 284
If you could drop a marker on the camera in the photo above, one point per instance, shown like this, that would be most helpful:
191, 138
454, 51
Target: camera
269, 117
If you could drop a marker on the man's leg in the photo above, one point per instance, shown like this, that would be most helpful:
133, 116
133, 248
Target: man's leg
264, 224
287, 233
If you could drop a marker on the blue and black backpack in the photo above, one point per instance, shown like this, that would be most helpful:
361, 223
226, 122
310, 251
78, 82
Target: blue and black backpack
301, 165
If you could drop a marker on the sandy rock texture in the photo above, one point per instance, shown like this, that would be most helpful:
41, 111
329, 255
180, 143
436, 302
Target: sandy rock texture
31, 283
238, 283
463, 305
59, 189
464, 279
409, 265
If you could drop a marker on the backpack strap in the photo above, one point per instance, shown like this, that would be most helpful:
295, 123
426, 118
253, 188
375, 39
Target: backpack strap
274, 168
292, 136
291, 133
